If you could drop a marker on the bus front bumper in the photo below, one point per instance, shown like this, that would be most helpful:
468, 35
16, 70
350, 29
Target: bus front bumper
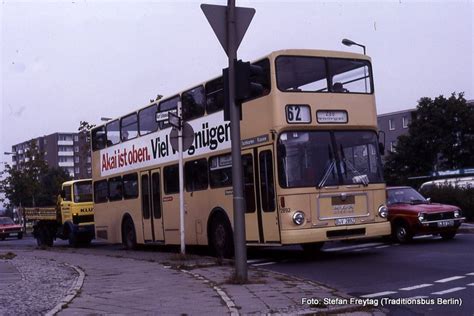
307, 235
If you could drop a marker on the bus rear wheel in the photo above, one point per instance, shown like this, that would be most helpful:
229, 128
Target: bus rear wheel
129, 237
312, 247
222, 240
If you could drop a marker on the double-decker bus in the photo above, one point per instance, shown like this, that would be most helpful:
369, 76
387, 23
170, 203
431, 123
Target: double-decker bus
310, 156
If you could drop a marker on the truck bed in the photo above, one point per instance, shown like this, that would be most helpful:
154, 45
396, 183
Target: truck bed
40, 213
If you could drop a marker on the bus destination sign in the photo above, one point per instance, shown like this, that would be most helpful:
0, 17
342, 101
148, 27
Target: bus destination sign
332, 116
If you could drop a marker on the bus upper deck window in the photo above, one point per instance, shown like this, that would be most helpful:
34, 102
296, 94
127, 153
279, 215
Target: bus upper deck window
98, 138
113, 133
194, 101
147, 119
129, 127
214, 95
168, 105
301, 73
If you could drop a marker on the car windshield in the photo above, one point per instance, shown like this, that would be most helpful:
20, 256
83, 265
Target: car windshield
325, 158
403, 196
83, 192
6, 221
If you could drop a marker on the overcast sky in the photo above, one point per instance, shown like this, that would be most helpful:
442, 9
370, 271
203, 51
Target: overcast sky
67, 61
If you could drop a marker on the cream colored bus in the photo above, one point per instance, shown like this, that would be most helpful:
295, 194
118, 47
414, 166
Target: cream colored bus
310, 153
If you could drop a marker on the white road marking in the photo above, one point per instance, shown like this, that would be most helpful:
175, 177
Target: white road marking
472, 273
255, 261
422, 236
470, 284
384, 246
379, 294
415, 287
450, 279
354, 247
455, 289
361, 249
263, 264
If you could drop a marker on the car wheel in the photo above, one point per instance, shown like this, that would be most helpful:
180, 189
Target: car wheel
222, 240
129, 235
448, 235
44, 237
20, 235
401, 233
2, 238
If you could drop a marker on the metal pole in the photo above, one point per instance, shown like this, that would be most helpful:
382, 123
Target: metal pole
181, 183
237, 181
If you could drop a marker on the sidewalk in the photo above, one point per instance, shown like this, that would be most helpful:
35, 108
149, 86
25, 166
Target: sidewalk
98, 281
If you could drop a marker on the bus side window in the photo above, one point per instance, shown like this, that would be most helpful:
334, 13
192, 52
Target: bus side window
147, 120
115, 188
220, 171
195, 175
113, 133
267, 186
215, 95
101, 191
130, 186
167, 106
193, 103
171, 179
249, 185
128, 127
98, 138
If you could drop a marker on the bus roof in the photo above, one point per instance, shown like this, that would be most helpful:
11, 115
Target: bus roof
71, 182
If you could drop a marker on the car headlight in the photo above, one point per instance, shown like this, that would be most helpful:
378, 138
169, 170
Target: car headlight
421, 217
383, 211
298, 218
457, 213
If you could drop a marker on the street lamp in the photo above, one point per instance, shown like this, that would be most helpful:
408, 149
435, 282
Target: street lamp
105, 119
8, 153
348, 42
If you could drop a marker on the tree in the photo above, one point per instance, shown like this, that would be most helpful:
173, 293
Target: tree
440, 137
51, 182
22, 184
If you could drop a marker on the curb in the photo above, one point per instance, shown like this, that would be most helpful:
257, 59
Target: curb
72, 292
223, 295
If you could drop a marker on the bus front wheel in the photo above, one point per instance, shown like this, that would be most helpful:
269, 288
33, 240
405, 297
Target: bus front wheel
128, 234
222, 241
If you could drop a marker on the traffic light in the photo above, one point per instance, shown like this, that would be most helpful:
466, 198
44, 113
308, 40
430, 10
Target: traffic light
248, 80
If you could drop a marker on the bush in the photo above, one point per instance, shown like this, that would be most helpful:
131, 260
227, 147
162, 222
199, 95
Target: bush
462, 197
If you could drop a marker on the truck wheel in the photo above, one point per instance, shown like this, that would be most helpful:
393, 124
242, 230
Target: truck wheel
222, 241
401, 233
44, 237
20, 235
448, 235
73, 240
129, 238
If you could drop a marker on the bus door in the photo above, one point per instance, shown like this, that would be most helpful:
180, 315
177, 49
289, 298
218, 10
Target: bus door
252, 220
152, 216
267, 210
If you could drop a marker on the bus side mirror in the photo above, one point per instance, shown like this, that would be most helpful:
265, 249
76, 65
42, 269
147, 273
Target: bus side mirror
63, 194
381, 149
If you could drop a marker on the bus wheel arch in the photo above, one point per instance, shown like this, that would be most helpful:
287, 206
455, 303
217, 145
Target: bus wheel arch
220, 234
129, 236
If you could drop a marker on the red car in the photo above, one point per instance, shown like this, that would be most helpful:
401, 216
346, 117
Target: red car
8, 228
411, 214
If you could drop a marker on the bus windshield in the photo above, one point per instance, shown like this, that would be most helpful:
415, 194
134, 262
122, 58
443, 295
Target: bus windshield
82, 192
325, 158
319, 74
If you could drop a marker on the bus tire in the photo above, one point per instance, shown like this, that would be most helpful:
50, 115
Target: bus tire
129, 237
221, 237
312, 247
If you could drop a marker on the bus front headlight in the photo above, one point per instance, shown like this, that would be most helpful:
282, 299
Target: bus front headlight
383, 211
298, 218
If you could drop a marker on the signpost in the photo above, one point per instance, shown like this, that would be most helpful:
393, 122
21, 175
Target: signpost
230, 24
176, 138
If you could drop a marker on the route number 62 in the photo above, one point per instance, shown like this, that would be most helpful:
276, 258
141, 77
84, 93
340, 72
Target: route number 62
298, 113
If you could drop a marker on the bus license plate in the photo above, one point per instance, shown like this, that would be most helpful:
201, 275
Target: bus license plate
445, 224
345, 221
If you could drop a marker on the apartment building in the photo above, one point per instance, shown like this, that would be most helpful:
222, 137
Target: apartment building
68, 151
